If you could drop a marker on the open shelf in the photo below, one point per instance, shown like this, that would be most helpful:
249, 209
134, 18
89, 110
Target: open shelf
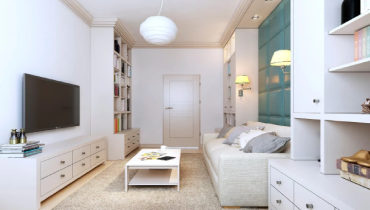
356, 66
350, 117
350, 27
122, 112
120, 56
115, 69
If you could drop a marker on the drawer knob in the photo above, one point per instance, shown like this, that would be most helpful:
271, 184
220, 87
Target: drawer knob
62, 162
97, 157
133, 136
128, 146
278, 201
97, 147
128, 138
62, 175
138, 134
309, 206
83, 153
316, 101
278, 182
133, 143
83, 164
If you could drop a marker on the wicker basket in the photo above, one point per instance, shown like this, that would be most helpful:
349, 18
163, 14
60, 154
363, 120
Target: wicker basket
365, 108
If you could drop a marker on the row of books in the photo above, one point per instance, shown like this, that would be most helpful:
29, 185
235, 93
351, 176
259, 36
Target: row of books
20, 150
116, 90
118, 125
116, 78
129, 71
116, 61
128, 105
362, 44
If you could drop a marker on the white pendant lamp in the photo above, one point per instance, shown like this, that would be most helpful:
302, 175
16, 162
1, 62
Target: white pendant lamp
158, 30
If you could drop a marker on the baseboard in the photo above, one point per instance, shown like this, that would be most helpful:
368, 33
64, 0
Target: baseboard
151, 145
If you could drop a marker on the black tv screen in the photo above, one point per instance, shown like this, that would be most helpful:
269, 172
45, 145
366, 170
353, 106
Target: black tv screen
49, 104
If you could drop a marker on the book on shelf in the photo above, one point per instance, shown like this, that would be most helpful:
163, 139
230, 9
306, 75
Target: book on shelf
21, 155
18, 150
116, 60
368, 39
116, 77
123, 68
117, 125
116, 90
128, 71
123, 105
228, 68
364, 32
362, 44
128, 104
29, 143
356, 46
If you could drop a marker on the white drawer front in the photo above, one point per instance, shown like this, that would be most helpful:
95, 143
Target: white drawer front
304, 197
96, 158
53, 181
135, 135
279, 201
81, 153
98, 146
55, 164
81, 166
128, 138
282, 183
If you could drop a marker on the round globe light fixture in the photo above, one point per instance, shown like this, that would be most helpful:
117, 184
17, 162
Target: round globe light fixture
158, 30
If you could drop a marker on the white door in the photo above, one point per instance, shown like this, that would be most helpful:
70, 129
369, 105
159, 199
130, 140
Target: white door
308, 56
181, 111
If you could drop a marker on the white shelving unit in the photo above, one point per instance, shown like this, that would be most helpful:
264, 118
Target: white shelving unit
106, 104
356, 66
350, 27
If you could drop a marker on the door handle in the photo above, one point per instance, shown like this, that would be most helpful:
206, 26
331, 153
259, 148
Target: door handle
169, 107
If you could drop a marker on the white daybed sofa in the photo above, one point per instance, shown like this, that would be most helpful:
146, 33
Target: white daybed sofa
241, 179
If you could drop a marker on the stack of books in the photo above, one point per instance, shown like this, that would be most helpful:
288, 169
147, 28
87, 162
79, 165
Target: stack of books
118, 124
20, 150
355, 173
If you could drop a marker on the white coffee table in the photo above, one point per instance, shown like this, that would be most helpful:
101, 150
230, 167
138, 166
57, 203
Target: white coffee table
155, 172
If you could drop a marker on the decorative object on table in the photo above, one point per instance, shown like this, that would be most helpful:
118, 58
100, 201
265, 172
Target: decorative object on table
354, 172
366, 106
165, 158
281, 58
13, 137
350, 10
20, 150
22, 137
151, 156
163, 148
158, 30
241, 80
116, 46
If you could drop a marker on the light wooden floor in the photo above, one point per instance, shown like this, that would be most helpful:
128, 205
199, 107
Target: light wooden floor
58, 197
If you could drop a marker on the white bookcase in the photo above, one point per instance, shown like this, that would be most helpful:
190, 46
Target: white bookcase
106, 104
328, 90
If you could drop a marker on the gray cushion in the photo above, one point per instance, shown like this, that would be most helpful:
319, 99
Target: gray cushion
237, 131
224, 131
266, 143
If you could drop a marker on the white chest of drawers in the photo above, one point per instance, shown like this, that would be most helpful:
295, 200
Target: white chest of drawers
299, 185
25, 182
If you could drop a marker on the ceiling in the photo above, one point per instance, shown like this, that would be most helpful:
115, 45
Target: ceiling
261, 8
198, 21
204, 22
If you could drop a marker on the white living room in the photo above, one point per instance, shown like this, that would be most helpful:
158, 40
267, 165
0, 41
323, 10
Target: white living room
185, 104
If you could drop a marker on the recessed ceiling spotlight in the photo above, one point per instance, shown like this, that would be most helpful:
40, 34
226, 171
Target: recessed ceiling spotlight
255, 17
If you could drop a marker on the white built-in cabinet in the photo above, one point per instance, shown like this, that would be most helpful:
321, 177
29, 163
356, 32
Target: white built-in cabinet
323, 69
240, 58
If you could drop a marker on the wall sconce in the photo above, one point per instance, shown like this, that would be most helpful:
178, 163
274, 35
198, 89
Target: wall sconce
281, 58
241, 80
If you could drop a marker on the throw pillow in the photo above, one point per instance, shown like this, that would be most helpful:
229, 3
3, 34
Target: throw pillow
245, 137
235, 132
224, 131
266, 143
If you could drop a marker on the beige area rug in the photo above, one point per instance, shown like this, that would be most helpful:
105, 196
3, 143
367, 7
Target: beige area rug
106, 190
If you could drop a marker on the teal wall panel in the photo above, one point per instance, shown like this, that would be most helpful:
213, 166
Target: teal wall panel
274, 86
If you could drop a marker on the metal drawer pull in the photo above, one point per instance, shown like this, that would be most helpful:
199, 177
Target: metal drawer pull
309, 206
62, 162
97, 157
83, 164
278, 201
83, 153
133, 136
138, 134
128, 138
278, 182
62, 175
97, 147
128, 146
316, 101
169, 107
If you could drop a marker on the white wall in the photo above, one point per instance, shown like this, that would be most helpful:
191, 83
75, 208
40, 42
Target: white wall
149, 66
43, 38
246, 52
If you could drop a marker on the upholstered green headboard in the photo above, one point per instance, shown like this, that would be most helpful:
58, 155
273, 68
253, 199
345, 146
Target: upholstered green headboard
274, 86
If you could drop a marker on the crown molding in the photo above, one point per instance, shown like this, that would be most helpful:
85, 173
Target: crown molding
79, 10
123, 32
235, 20
104, 22
179, 45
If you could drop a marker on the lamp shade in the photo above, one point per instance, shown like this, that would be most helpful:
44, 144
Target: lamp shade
242, 79
158, 30
281, 58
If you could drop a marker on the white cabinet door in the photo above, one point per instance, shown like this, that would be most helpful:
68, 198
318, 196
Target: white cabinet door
232, 83
226, 88
307, 41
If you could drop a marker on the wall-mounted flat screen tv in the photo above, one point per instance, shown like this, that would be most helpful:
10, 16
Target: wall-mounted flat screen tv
49, 104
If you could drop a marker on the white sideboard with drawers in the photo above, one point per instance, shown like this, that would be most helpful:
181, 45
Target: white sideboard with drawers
25, 182
299, 185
